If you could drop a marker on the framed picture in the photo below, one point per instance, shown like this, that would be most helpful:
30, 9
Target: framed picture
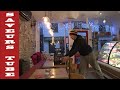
54, 27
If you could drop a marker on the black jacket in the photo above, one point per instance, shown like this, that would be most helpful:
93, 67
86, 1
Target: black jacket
80, 45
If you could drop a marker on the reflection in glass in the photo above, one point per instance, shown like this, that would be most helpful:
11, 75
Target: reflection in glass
104, 53
115, 56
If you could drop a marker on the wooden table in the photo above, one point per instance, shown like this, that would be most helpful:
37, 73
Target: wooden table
55, 73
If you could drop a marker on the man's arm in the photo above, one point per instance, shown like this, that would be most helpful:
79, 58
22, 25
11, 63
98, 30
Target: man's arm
74, 49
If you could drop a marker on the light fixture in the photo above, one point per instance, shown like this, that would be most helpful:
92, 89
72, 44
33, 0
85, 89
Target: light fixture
48, 25
104, 21
46, 19
53, 41
100, 13
51, 32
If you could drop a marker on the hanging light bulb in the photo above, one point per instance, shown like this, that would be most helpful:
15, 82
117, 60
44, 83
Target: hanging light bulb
53, 42
104, 21
46, 19
100, 13
51, 32
48, 25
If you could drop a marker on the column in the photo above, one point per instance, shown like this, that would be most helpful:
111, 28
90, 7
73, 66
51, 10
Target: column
37, 37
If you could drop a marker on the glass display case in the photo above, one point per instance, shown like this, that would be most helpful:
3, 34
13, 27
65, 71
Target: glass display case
110, 53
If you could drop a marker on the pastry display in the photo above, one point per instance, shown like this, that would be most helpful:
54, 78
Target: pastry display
115, 56
113, 49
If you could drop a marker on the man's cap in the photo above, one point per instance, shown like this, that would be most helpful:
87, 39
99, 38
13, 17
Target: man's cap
72, 32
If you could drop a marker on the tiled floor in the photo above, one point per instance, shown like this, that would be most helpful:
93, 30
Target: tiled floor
91, 74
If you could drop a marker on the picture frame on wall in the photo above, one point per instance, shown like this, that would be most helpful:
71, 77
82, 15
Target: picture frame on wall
54, 27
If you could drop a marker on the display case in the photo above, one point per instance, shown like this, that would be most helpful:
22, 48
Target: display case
110, 53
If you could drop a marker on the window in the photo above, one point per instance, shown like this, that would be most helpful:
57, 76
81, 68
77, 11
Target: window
102, 28
54, 27
51, 48
77, 24
85, 26
80, 25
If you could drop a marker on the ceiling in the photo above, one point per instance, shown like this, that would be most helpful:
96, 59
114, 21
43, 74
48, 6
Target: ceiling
63, 16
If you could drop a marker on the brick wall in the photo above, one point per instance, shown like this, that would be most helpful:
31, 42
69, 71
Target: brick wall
27, 43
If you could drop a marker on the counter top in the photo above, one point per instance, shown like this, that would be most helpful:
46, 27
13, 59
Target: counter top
50, 64
51, 73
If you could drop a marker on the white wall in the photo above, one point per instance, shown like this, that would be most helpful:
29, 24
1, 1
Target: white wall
37, 37
90, 37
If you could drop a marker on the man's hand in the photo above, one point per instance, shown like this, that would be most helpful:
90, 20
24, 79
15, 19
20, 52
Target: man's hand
66, 58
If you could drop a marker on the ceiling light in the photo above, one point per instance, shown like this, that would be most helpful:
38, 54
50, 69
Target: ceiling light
100, 13
48, 25
46, 19
104, 21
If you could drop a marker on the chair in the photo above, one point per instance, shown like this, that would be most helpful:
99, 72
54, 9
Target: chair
73, 67
34, 59
38, 56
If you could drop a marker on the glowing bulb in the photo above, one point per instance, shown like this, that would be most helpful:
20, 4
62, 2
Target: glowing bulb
46, 19
51, 32
104, 21
100, 13
48, 25
53, 40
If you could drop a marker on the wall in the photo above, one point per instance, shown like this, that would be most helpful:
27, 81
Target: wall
118, 30
26, 42
37, 37
118, 34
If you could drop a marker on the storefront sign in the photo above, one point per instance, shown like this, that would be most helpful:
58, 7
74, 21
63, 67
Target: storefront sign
9, 45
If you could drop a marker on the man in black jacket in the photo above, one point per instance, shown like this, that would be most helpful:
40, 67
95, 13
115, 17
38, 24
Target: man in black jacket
86, 54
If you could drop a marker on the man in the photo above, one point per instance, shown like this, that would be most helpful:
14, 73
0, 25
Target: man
86, 54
